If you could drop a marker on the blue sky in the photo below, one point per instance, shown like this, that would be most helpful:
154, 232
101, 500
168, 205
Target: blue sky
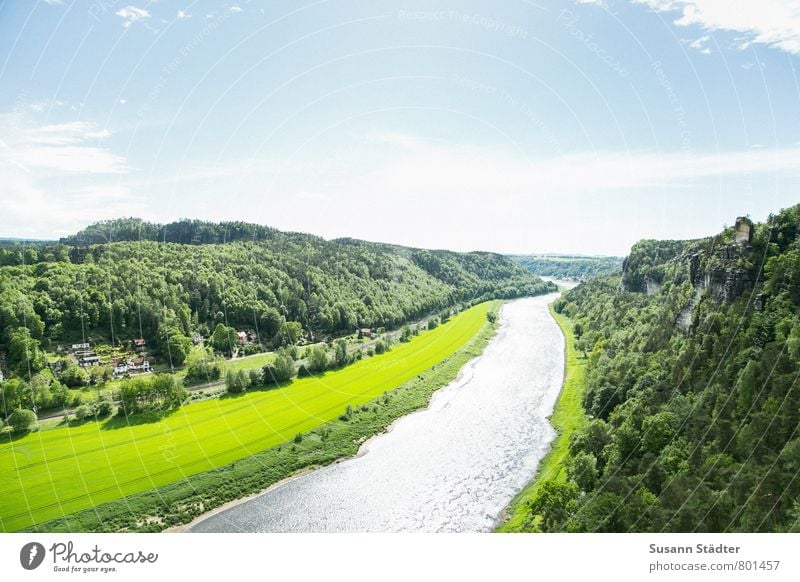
511, 126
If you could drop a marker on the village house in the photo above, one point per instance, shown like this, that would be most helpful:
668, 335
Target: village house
366, 332
139, 345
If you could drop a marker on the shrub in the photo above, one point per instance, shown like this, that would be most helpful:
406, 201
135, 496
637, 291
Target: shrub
103, 408
317, 361
21, 420
254, 378
433, 323
380, 347
236, 382
74, 376
83, 412
298, 438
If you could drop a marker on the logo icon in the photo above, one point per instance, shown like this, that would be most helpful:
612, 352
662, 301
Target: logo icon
31, 555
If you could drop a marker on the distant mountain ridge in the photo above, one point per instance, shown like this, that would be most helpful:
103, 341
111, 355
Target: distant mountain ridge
128, 278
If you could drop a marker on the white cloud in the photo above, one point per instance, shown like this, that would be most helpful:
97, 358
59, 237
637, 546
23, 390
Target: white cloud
182, 15
55, 175
701, 44
235, 8
54, 2
775, 23
131, 14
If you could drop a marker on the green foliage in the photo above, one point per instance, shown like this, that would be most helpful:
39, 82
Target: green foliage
21, 420
74, 376
237, 381
202, 367
24, 355
224, 338
175, 346
692, 380
569, 266
340, 353
83, 412
151, 393
554, 503
282, 370
317, 360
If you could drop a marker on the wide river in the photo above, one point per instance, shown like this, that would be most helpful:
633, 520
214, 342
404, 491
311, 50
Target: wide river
452, 467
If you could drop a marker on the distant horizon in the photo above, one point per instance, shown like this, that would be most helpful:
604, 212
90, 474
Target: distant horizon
556, 127
402, 244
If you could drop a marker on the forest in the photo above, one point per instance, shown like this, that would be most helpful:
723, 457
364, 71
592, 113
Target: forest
691, 395
577, 267
124, 279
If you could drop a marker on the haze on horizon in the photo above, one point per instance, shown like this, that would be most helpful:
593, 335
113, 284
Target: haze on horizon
550, 128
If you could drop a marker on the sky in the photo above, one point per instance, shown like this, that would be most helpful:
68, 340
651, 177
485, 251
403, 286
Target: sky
515, 126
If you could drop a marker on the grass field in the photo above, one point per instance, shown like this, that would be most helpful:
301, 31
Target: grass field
568, 416
58, 472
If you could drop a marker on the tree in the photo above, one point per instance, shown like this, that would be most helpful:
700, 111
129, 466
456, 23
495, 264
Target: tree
554, 502
317, 360
281, 370
24, 355
83, 412
202, 366
74, 376
176, 346
13, 393
236, 381
582, 469
405, 334
223, 338
21, 420
340, 352
290, 332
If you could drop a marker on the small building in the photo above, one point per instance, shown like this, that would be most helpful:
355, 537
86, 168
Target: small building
138, 365
744, 230
366, 332
88, 361
139, 344
79, 347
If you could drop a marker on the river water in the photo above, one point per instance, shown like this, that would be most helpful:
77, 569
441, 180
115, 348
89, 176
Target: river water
452, 467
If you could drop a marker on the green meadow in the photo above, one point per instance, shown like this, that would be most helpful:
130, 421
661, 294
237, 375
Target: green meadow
50, 474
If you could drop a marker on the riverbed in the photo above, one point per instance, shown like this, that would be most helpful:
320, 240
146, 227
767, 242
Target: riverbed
452, 467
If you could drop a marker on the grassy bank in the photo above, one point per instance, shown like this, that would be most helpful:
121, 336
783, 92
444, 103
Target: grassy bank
270, 435
568, 416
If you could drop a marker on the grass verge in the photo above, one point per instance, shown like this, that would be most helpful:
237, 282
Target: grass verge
568, 416
182, 501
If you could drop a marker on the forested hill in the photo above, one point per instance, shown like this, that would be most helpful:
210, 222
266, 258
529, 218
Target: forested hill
120, 280
692, 384
577, 267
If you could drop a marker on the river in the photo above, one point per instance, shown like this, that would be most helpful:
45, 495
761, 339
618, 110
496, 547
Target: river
452, 467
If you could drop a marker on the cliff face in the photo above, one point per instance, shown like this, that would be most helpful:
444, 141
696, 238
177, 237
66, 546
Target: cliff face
721, 268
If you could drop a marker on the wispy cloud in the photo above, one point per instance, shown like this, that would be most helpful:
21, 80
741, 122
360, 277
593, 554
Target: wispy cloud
183, 15
775, 23
55, 175
131, 14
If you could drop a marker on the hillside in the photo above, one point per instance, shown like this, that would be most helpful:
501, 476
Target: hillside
691, 388
126, 279
577, 267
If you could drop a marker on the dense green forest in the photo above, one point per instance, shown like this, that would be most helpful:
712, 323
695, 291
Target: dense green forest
569, 266
691, 390
125, 279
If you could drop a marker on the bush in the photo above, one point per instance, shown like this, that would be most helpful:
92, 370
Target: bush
298, 438
254, 378
21, 420
237, 382
317, 361
433, 323
380, 347
74, 376
103, 408
83, 412
202, 366
280, 371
